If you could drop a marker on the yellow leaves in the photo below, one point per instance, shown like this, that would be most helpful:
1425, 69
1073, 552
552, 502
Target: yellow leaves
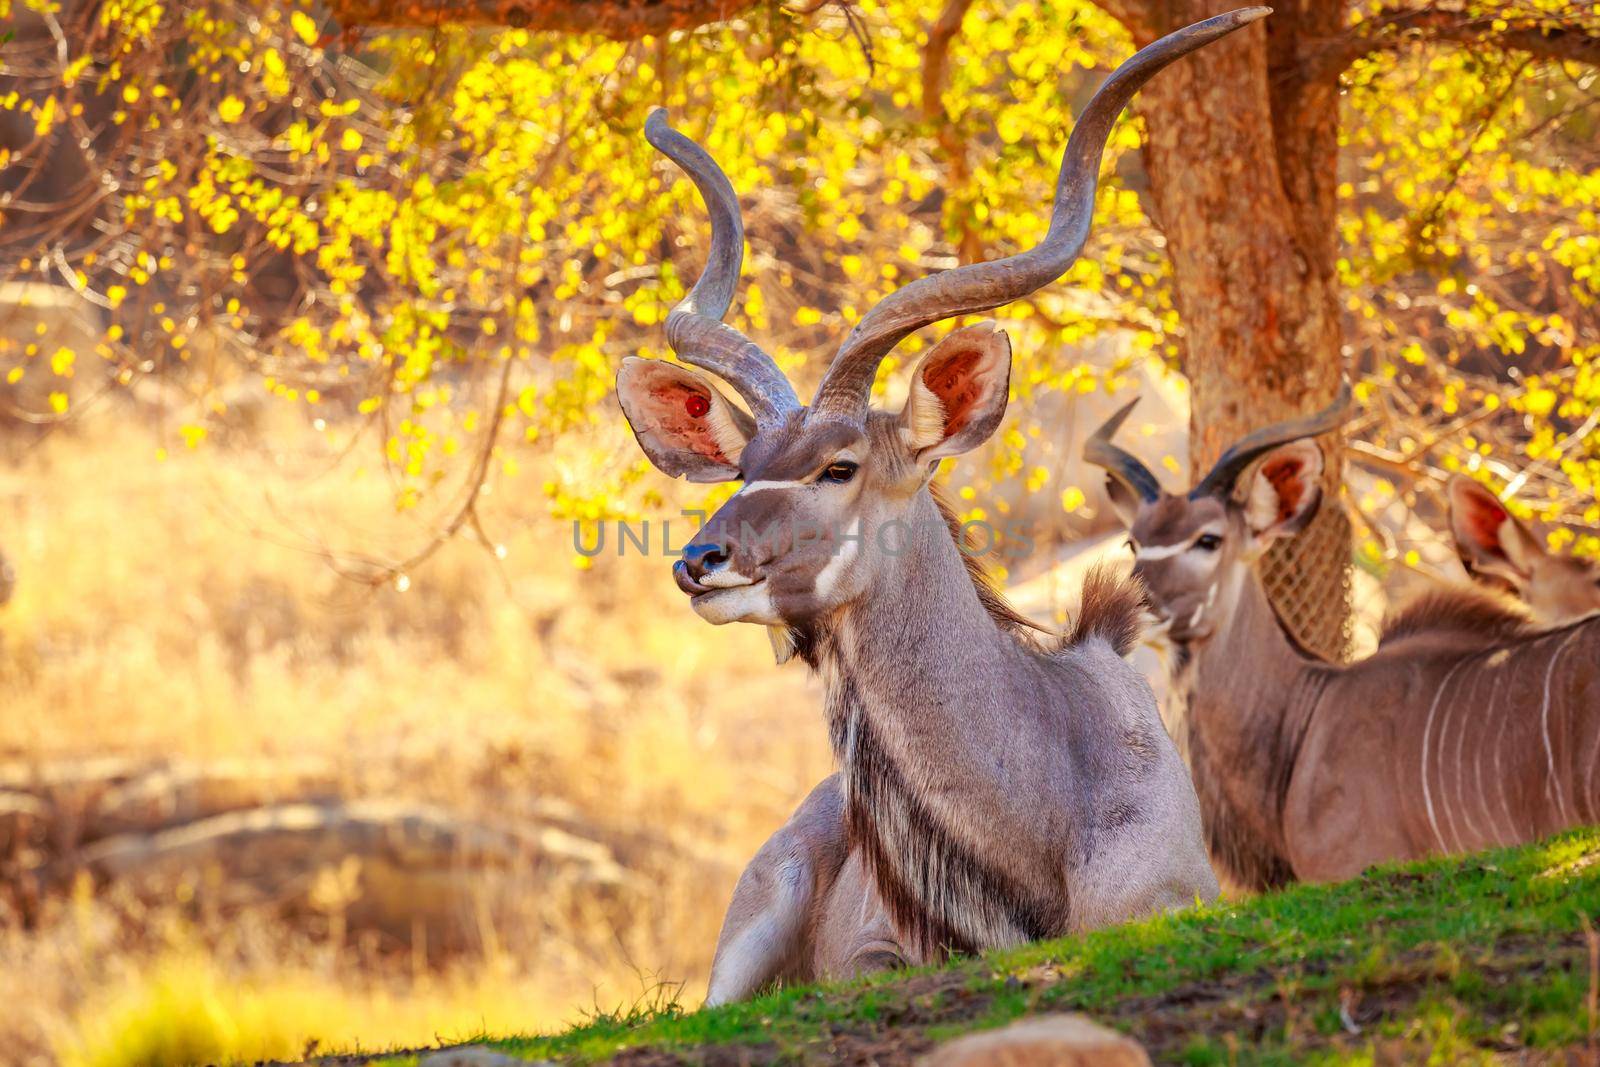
193, 435
1539, 401
74, 70
304, 26
45, 117
61, 362
513, 177
58, 403
274, 73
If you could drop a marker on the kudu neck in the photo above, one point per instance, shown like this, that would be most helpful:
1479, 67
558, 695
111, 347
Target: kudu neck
1251, 654
1243, 725
918, 613
921, 590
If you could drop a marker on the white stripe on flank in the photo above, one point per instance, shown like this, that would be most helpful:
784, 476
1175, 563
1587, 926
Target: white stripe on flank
1505, 800
1427, 731
1469, 711
1588, 779
1553, 782
1477, 762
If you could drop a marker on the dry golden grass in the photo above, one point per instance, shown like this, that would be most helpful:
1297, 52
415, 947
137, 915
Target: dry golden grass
153, 618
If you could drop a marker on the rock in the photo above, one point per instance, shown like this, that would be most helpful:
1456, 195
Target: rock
184, 791
473, 1056
1043, 1041
404, 869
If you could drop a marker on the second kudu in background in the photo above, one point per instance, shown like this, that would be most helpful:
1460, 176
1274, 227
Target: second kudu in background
1469, 727
996, 785
1502, 553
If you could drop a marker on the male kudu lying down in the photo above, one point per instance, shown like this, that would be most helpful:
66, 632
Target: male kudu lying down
994, 786
1468, 727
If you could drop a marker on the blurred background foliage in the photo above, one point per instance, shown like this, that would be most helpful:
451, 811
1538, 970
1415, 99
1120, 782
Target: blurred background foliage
278, 293
442, 242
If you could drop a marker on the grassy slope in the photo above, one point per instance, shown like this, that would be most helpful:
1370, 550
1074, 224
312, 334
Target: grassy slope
1453, 960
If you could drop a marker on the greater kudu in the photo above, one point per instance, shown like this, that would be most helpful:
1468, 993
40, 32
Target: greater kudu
995, 786
1467, 728
1500, 552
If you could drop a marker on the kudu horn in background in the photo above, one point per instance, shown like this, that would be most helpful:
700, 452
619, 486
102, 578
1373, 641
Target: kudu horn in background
1467, 728
993, 787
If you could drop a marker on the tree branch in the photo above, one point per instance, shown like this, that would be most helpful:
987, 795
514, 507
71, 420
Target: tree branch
935, 61
1570, 37
617, 19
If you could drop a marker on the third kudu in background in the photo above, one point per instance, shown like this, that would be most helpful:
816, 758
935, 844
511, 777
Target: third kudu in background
994, 786
1502, 553
1467, 728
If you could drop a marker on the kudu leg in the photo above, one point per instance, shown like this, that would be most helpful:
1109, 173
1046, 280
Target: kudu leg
854, 934
768, 934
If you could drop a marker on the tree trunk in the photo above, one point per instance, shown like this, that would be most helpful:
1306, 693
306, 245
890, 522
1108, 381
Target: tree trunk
1242, 163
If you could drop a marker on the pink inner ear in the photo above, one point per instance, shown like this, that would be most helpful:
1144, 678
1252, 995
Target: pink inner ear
1286, 475
955, 382
678, 411
1481, 520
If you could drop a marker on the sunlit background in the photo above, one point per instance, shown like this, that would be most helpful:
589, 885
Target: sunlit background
318, 729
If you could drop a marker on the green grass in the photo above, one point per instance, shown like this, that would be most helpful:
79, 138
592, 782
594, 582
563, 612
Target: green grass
1447, 961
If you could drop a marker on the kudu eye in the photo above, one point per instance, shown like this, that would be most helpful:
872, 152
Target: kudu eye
1208, 542
838, 473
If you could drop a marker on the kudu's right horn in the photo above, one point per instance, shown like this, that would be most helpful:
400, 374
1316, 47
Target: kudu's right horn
695, 329
847, 386
1225, 472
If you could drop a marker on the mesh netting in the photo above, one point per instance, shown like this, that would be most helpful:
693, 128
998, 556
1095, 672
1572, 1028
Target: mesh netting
1308, 580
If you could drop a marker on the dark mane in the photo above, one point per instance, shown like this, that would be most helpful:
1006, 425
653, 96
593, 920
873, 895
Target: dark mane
993, 601
1459, 610
1113, 609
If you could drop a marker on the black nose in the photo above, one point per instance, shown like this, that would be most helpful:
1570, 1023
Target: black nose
702, 559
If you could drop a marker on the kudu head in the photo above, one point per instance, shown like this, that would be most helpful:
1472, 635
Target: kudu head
822, 481
1501, 552
1193, 550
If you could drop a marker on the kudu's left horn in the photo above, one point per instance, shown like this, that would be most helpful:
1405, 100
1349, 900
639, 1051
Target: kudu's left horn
695, 329
847, 386
1099, 450
1232, 463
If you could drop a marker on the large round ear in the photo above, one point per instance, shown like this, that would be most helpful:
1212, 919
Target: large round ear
1491, 541
958, 393
683, 423
1285, 491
